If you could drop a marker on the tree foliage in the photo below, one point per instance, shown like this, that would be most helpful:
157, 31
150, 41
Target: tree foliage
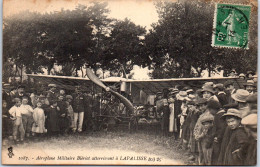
180, 43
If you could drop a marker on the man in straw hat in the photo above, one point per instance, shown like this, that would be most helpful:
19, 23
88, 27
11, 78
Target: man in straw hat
250, 86
240, 98
52, 92
233, 151
242, 76
21, 93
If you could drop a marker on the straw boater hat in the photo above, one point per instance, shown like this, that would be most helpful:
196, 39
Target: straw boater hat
182, 95
242, 75
190, 91
250, 120
240, 95
233, 112
249, 83
233, 70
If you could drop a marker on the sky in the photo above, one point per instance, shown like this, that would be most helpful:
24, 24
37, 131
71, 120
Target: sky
141, 12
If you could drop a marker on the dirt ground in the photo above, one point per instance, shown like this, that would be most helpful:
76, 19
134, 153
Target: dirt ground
146, 142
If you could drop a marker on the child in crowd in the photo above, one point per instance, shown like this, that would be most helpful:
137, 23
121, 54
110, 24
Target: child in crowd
62, 115
205, 138
62, 92
7, 122
27, 119
199, 131
193, 144
203, 133
70, 114
237, 144
16, 116
52, 119
38, 127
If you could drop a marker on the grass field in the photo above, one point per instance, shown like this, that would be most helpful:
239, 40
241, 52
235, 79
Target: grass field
147, 141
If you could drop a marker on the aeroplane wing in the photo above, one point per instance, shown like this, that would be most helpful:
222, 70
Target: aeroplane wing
150, 86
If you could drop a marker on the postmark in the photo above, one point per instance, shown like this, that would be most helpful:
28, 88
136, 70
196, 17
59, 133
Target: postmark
231, 26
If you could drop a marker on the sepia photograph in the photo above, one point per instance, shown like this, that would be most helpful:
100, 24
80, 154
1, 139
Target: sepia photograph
134, 82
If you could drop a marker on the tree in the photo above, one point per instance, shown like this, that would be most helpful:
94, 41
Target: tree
67, 38
125, 46
179, 45
20, 41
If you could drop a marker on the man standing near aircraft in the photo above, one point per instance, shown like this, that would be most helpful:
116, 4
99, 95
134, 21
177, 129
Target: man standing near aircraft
78, 105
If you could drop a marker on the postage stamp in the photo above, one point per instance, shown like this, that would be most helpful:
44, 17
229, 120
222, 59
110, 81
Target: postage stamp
231, 26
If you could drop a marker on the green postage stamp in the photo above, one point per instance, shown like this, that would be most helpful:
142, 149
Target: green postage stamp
231, 26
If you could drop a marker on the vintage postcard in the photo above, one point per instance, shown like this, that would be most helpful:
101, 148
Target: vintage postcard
163, 82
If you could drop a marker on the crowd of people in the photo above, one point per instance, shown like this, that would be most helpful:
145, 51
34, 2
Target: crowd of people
216, 124
45, 113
